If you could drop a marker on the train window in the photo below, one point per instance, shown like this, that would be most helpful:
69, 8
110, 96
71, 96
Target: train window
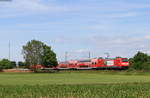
85, 61
124, 60
94, 63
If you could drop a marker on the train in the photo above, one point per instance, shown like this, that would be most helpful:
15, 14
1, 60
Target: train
89, 64
96, 63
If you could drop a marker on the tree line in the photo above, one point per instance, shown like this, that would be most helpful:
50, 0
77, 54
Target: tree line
38, 53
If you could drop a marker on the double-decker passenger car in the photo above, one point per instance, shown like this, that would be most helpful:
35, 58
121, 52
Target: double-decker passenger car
97, 63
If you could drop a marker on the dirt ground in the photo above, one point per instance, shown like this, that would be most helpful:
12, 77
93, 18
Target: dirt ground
16, 70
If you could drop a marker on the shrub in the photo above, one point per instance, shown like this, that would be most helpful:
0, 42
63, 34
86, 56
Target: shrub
5, 64
141, 61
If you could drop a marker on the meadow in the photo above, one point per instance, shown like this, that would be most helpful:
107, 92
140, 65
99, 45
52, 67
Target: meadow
78, 84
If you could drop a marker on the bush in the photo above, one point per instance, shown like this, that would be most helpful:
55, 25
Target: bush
22, 64
44, 71
140, 61
5, 64
146, 66
13, 63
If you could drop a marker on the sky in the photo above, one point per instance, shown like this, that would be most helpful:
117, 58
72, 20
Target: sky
117, 27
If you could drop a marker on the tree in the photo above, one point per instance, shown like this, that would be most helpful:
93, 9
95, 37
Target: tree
13, 63
22, 64
140, 61
5, 64
33, 52
49, 57
37, 53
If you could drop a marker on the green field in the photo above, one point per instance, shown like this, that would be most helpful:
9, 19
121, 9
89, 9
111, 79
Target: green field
96, 84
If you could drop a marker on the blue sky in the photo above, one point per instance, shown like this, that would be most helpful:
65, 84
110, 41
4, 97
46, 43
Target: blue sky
120, 27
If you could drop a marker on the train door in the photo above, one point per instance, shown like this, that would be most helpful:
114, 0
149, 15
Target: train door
109, 63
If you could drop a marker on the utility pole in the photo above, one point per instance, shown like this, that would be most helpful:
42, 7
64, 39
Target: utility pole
107, 55
89, 55
66, 56
9, 51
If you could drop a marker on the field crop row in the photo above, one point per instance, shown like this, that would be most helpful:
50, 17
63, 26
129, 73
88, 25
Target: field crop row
134, 90
69, 78
85, 84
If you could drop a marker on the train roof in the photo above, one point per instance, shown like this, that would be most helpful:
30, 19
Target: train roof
88, 60
63, 62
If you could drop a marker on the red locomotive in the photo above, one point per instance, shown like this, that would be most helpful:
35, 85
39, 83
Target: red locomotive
99, 63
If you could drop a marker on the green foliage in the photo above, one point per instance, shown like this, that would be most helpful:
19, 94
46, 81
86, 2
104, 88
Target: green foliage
140, 61
49, 57
73, 78
126, 90
146, 66
22, 64
45, 71
74, 85
37, 53
33, 51
13, 63
6, 64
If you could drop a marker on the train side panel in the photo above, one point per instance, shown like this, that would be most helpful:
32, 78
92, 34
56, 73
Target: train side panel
84, 64
73, 64
97, 63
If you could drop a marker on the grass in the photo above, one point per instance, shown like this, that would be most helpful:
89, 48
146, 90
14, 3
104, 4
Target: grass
77, 91
79, 84
84, 77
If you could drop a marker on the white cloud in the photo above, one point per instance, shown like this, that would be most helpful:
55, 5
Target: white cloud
147, 37
24, 7
30, 5
121, 41
33, 5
